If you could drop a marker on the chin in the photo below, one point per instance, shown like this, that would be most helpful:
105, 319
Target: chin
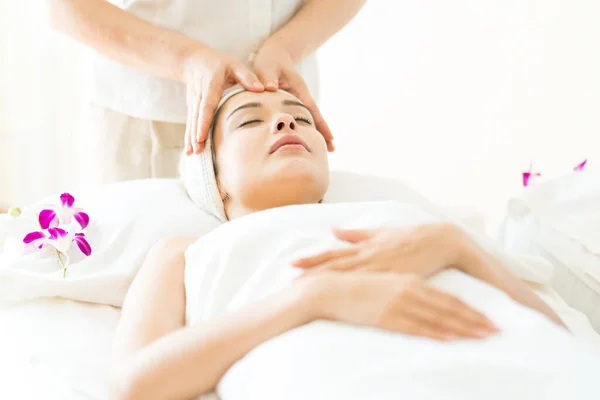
296, 182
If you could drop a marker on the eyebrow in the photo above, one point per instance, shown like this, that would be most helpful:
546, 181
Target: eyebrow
293, 103
258, 105
247, 105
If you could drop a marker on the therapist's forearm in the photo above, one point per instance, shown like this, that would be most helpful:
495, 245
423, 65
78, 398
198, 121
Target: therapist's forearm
313, 25
123, 37
484, 266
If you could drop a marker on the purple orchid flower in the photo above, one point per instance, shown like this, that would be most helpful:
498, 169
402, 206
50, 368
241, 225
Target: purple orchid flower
54, 216
60, 239
580, 167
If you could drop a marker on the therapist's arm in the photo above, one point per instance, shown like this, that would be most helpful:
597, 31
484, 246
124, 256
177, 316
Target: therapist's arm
122, 36
138, 44
314, 24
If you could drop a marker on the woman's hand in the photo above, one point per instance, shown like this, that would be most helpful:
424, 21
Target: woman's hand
207, 73
403, 303
423, 250
275, 68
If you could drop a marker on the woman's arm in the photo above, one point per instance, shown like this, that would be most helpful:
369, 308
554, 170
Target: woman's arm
123, 37
424, 250
477, 262
157, 357
313, 25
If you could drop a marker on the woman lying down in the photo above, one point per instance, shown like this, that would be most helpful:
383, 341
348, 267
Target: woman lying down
274, 305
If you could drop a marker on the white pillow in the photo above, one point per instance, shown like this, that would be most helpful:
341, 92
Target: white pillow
354, 187
126, 220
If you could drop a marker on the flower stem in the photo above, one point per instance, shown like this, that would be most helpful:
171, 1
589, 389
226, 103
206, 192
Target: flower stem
62, 264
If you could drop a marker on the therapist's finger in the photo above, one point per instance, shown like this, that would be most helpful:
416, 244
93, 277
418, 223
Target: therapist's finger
247, 78
269, 78
299, 89
187, 142
210, 99
195, 110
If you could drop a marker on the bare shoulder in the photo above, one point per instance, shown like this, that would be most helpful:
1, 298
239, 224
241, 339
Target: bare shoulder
173, 246
165, 260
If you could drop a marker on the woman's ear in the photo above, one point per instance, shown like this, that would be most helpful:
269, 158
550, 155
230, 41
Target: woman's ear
223, 193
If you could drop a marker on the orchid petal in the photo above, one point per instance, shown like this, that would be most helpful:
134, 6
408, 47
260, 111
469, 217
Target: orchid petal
56, 233
66, 200
526, 177
82, 219
580, 166
46, 218
83, 244
33, 236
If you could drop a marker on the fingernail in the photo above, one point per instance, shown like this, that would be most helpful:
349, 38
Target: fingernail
271, 84
257, 85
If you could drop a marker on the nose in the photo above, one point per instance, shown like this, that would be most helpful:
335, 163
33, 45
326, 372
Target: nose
283, 123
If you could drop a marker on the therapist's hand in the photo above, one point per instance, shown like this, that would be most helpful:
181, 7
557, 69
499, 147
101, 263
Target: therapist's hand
423, 250
275, 69
207, 73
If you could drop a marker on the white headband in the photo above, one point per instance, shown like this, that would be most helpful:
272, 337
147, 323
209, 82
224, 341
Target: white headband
198, 172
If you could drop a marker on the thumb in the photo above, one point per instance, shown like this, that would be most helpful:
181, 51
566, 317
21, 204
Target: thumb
354, 235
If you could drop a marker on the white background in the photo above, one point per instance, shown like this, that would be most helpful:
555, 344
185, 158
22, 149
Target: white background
455, 97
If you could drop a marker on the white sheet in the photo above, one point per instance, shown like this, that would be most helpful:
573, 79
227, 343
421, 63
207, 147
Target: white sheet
531, 358
55, 349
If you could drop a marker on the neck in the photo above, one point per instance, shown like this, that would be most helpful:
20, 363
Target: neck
235, 209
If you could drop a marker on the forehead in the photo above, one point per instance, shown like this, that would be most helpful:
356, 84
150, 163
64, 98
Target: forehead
271, 100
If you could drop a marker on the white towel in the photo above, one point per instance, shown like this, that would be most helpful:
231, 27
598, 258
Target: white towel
198, 173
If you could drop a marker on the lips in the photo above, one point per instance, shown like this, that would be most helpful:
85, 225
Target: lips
288, 140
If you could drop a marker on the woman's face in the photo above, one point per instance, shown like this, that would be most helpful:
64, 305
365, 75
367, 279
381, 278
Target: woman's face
268, 153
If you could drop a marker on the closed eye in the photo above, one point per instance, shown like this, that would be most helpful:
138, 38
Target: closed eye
304, 119
252, 121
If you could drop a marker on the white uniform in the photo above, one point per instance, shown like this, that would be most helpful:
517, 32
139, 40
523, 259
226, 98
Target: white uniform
137, 120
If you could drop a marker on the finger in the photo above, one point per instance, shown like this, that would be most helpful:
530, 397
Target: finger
247, 78
194, 123
354, 235
360, 260
426, 315
402, 324
299, 89
187, 142
460, 308
316, 260
313, 261
453, 323
269, 78
208, 106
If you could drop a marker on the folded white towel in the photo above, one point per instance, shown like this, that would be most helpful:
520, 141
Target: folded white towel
569, 205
